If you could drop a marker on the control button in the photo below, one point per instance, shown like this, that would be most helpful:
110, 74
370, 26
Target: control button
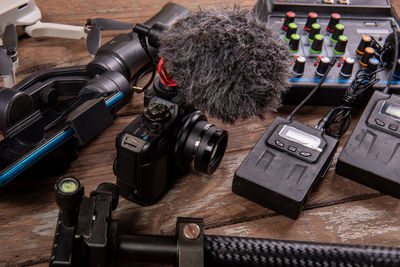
322, 66
294, 43
364, 43
305, 154
379, 122
279, 143
299, 65
343, 2
340, 46
347, 68
155, 126
292, 29
335, 17
157, 112
144, 136
292, 148
339, 30
369, 52
311, 19
393, 127
330, 2
315, 29
317, 44
290, 16
373, 64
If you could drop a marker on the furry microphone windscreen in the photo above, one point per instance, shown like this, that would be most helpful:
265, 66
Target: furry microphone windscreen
227, 63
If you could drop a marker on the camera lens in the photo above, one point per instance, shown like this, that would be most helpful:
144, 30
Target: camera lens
202, 142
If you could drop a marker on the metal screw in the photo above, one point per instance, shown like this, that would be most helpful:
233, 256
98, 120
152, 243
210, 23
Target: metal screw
191, 231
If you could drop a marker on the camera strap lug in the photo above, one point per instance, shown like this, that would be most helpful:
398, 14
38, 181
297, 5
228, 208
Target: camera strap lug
190, 242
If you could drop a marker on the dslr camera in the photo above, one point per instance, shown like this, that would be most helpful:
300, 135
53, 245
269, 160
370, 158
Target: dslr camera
162, 143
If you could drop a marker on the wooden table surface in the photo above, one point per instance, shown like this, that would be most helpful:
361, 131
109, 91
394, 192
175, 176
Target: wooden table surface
339, 210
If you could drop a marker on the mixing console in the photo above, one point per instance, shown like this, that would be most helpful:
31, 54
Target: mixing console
318, 31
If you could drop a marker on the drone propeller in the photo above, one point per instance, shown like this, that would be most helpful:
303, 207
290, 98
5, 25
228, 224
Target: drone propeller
10, 42
10, 38
94, 26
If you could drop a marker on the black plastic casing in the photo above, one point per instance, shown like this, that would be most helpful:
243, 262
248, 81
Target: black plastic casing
371, 156
124, 53
359, 17
280, 179
144, 156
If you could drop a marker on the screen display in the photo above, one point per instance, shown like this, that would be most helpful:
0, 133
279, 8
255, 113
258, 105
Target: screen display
391, 110
300, 137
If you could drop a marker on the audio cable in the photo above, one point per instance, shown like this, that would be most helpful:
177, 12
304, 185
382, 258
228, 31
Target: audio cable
336, 122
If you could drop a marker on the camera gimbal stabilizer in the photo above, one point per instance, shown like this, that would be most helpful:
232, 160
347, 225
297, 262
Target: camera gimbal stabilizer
65, 107
86, 235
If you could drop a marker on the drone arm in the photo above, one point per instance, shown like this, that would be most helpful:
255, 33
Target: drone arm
45, 29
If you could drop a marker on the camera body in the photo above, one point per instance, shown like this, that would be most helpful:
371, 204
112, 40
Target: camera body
161, 143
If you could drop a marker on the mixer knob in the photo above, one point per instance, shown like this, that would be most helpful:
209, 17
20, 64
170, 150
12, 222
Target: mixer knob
335, 17
315, 29
369, 52
292, 29
397, 70
322, 66
340, 47
339, 29
373, 64
364, 42
347, 68
299, 64
290, 16
294, 43
317, 44
311, 19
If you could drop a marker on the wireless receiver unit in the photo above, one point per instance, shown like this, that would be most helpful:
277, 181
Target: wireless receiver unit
283, 167
372, 153
287, 162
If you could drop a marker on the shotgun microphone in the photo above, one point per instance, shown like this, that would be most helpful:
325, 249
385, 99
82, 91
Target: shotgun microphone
226, 62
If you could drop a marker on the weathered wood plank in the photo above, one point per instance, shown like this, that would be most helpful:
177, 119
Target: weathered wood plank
369, 222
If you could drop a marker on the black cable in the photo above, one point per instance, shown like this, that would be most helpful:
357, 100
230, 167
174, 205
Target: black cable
141, 75
396, 56
143, 43
313, 90
336, 122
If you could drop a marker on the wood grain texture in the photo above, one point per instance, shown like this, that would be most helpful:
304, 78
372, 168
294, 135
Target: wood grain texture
339, 210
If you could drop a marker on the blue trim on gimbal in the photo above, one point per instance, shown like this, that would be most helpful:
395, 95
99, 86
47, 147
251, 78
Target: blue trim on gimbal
42, 151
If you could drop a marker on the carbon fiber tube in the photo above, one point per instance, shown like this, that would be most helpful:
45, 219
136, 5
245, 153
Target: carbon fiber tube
243, 251
240, 251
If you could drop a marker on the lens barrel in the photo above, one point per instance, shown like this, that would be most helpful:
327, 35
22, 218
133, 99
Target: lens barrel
201, 142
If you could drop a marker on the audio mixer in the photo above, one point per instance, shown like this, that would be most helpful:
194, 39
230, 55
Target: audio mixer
317, 31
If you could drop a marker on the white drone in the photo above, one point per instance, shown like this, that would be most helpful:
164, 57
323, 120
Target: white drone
26, 14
